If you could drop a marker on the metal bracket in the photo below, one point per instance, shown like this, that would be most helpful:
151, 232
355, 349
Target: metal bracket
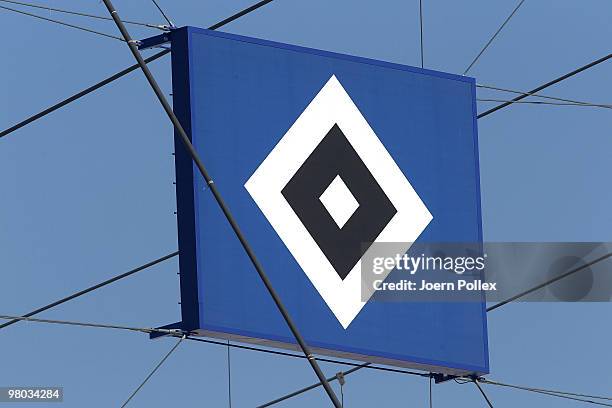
340, 377
440, 378
178, 327
155, 41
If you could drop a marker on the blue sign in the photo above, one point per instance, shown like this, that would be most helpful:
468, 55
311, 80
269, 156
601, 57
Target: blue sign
318, 154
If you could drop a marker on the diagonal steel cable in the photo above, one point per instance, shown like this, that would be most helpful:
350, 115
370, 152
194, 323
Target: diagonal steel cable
550, 281
78, 13
493, 37
148, 330
162, 361
583, 104
489, 403
170, 23
91, 288
122, 73
555, 393
546, 85
239, 14
184, 138
62, 23
313, 386
537, 95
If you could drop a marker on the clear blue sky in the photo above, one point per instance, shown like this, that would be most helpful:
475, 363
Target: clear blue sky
86, 193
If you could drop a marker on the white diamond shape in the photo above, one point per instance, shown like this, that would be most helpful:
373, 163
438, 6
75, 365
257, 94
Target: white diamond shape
332, 105
339, 201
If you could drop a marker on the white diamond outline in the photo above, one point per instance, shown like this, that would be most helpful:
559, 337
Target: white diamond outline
330, 197
332, 105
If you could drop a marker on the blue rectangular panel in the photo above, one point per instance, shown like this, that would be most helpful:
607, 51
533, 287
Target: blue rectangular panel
316, 153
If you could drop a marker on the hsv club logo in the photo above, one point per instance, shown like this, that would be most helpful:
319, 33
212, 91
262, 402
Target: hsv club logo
329, 188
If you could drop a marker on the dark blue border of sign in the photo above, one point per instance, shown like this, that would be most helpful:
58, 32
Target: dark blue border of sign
185, 194
181, 85
479, 209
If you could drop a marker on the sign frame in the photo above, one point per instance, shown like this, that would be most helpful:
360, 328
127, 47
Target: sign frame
186, 211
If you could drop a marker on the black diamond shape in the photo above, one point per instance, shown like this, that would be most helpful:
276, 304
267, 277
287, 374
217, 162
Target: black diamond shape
345, 246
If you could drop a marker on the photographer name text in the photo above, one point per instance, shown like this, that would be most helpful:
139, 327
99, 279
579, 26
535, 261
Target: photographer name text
427, 286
